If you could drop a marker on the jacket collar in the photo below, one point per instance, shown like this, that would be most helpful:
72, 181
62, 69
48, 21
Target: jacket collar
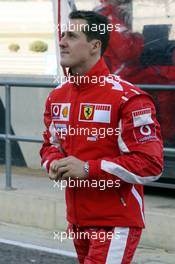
94, 76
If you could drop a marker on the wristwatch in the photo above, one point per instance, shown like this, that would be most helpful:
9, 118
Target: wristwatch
86, 169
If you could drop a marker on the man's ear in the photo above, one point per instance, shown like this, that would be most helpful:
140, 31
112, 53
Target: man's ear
95, 46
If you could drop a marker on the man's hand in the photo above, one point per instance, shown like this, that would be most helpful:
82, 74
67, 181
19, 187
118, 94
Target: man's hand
54, 174
69, 167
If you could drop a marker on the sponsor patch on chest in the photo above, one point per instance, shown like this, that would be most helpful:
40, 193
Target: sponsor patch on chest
60, 111
95, 113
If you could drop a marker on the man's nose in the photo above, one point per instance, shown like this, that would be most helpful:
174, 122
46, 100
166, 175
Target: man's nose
63, 43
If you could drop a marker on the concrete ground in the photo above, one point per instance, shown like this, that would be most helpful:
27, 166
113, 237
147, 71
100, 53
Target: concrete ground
35, 209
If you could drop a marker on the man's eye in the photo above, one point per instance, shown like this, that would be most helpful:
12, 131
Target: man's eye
71, 35
68, 34
62, 34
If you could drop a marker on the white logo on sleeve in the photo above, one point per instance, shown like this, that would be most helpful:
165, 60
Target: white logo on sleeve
145, 130
142, 117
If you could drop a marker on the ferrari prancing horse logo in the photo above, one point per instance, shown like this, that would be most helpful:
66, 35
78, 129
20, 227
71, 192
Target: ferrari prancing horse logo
88, 110
100, 113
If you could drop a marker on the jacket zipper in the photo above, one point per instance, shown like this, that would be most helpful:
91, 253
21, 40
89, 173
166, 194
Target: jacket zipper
72, 144
122, 200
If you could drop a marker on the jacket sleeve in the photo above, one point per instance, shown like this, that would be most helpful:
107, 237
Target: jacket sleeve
140, 143
51, 148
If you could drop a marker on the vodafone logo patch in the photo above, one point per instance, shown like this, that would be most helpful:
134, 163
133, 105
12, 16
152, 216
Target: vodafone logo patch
60, 111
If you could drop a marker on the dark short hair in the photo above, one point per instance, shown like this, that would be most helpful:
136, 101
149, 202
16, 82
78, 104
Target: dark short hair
92, 19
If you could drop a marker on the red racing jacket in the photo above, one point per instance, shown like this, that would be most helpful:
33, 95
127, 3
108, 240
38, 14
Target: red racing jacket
120, 138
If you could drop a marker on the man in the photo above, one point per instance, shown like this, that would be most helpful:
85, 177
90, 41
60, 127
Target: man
119, 145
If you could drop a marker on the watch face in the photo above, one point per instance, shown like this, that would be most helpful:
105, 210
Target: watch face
86, 168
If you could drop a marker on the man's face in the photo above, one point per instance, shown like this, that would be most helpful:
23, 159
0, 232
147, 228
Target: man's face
75, 50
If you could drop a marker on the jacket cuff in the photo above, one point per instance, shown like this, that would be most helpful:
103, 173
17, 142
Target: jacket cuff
94, 169
46, 164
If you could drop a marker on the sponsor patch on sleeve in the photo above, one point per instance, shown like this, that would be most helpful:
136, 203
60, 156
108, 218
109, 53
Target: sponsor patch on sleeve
145, 133
144, 127
142, 117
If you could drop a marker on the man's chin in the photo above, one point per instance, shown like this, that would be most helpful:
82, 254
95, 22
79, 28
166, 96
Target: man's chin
64, 63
